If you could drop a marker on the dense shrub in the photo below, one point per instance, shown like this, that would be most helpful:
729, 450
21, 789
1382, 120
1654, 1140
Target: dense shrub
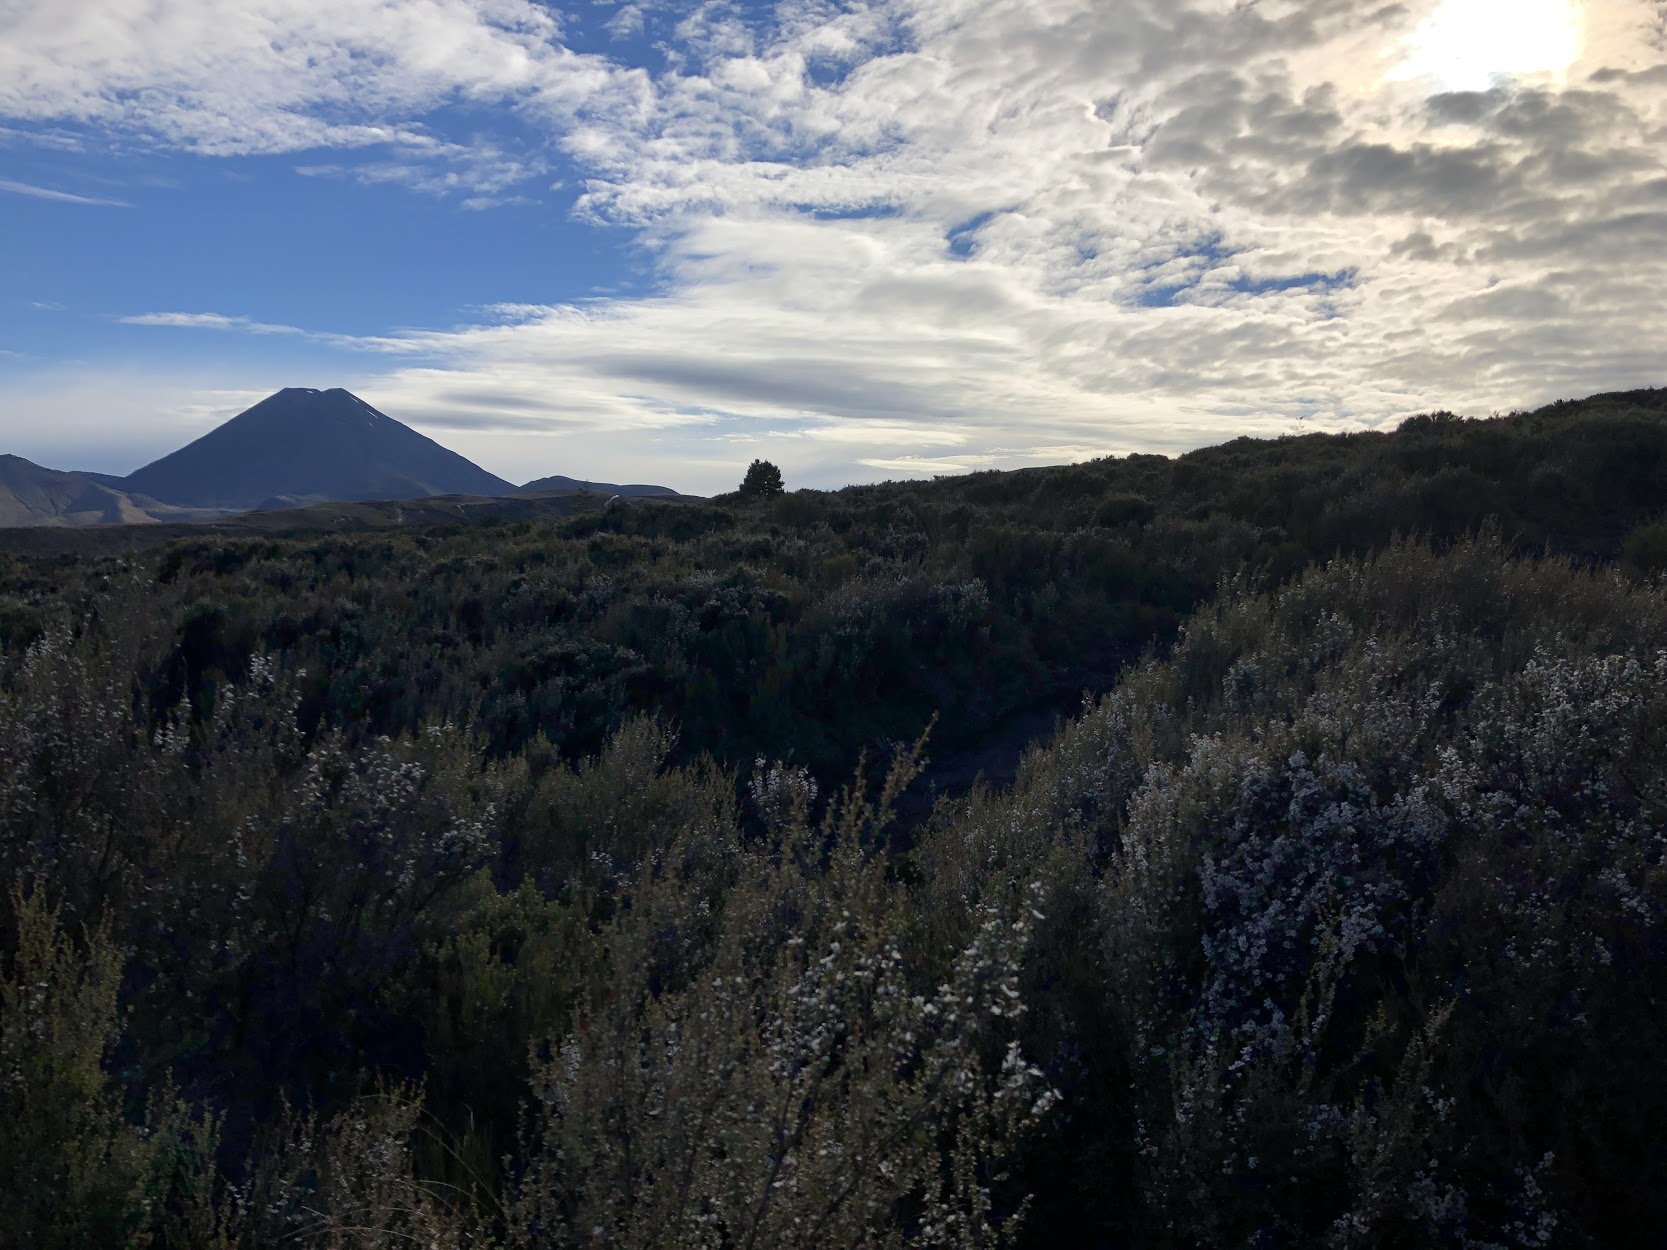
1373, 943
529, 886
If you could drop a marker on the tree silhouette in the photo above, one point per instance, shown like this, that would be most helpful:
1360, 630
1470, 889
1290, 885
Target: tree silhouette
763, 480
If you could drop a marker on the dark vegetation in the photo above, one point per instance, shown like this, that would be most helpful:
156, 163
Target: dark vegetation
312, 520
535, 882
762, 481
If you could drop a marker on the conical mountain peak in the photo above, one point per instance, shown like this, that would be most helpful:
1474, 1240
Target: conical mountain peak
302, 444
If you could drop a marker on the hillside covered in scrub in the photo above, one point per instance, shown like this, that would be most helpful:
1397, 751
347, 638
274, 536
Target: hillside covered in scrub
579, 881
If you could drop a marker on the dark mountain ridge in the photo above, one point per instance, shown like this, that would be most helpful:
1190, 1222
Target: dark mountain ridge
559, 484
31, 495
304, 446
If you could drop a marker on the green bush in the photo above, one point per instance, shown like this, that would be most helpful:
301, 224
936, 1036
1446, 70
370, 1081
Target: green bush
1645, 548
1119, 510
78, 1171
478, 886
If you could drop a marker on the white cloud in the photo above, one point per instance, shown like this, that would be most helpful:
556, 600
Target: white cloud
626, 23
481, 170
207, 321
58, 197
919, 466
278, 76
952, 233
392, 344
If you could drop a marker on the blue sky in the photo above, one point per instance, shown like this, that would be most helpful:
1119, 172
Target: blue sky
870, 239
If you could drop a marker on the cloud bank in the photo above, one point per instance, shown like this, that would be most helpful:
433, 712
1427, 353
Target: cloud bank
916, 236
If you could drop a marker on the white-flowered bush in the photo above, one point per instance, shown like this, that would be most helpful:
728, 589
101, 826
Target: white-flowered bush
778, 1070
1340, 924
1379, 877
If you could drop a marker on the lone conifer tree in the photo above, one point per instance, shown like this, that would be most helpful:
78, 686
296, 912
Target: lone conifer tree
763, 480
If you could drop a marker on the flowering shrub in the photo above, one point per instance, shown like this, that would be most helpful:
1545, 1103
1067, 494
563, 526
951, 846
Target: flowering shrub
767, 1066
351, 898
1379, 877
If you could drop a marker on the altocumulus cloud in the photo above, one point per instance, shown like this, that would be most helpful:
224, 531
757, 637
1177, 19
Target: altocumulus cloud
915, 236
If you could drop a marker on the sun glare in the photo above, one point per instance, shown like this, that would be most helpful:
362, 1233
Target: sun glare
1470, 45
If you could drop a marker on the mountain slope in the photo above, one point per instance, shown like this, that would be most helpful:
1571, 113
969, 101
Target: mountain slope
553, 485
32, 496
302, 446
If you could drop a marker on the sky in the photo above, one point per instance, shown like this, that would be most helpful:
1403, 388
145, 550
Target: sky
865, 240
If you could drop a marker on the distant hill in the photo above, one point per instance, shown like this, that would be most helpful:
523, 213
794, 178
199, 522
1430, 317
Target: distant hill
554, 485
31, 496
303, 446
